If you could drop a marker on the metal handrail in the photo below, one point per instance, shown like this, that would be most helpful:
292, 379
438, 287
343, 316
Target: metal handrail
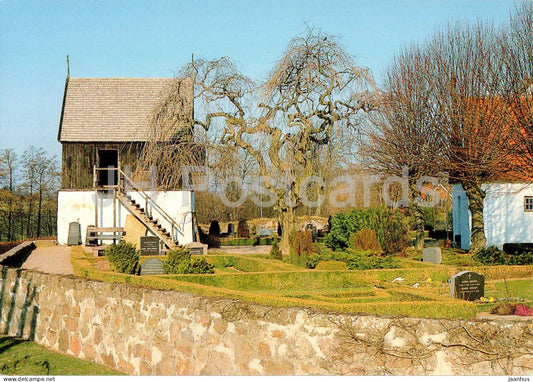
174, 225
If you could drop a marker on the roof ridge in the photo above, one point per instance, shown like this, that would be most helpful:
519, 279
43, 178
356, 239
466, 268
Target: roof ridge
127, 78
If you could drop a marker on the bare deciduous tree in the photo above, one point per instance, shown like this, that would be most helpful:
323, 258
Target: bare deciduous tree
315, 87
442, 113
8, 168
402, 132
40, 175
171, 143
517, 87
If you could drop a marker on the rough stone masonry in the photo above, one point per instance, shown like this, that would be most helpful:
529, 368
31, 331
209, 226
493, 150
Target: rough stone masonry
152, 332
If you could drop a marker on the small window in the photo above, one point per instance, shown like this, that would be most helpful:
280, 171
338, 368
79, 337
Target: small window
528, 203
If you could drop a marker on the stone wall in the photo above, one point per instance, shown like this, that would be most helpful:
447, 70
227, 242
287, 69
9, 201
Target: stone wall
16, 256
143, 331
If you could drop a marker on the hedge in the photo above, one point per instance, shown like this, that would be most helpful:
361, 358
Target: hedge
238, 242
221, 286
248, 241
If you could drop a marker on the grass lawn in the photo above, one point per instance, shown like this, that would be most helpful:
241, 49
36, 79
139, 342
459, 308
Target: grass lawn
21, 357
422, 291
522, 289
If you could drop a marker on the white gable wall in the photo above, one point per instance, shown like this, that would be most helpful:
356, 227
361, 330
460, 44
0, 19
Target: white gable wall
78, 206
503, 212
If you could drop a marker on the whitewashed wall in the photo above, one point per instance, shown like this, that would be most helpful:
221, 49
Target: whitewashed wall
78, 206
503, 211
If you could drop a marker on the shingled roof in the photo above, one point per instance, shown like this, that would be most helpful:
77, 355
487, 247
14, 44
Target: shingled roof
114, 109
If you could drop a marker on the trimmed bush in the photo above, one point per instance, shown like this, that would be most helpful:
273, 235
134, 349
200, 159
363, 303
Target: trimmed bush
524, 258
331, 265
214, 228
354, 258
228, 262
213, 241
275, 252
361, 260
243, 286
493, 256
123, 257
203, 236
245, 263
200, 265
178, 261
242, 229
267, 240
365, 240
489, 256
238, 241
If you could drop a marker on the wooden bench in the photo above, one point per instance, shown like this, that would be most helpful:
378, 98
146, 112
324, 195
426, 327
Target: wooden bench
95, 234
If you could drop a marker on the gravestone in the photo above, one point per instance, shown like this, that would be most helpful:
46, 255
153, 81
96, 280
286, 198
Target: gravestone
432, 255
467, 285
152, 267
196, 251
149, 245
196, 248
266, 232
74, 233
231, 229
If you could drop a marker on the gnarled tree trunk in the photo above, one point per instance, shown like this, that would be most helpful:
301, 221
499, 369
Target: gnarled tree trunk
418, 215
476, 196
288, 224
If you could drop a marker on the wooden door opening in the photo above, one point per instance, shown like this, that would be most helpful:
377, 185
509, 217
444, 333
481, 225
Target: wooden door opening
108, 164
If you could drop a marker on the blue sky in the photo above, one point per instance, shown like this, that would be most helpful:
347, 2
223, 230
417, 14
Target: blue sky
154, 38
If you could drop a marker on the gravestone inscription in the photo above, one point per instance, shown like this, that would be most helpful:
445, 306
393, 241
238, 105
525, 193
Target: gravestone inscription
196, 250
467, 285
152, 267
149, 245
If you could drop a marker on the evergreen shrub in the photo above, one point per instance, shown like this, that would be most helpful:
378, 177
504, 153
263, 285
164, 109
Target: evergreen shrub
390, 225
214, 228
242, 229
123, 257
179, 262
494, 256
275, 252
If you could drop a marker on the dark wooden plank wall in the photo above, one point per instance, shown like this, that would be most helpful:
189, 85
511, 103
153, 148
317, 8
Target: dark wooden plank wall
79, 159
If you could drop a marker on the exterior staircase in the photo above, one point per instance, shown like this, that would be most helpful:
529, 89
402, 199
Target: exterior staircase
149, 222
144, 213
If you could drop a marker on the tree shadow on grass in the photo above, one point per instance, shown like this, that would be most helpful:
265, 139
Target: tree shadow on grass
7, 342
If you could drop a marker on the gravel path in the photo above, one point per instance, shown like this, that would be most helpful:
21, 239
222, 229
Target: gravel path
50, 259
